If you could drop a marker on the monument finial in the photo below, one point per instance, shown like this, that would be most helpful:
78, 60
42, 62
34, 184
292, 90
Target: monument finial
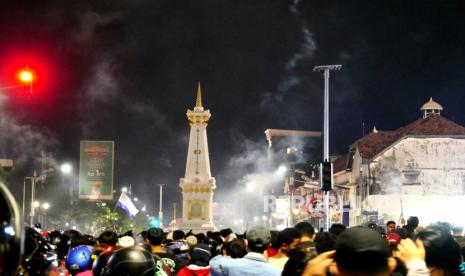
198, 102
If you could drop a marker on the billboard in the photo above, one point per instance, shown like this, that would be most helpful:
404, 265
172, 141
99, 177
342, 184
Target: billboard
96, 170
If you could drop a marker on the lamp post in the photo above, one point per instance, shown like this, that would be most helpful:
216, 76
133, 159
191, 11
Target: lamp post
45, 206
160, 209
325, 70
33, 191
66, 170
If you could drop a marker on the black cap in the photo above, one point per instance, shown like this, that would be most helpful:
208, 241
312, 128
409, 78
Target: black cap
362, 249
201, 255
155, 232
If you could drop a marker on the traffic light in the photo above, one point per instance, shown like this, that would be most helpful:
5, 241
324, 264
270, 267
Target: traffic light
326, 176
26, 76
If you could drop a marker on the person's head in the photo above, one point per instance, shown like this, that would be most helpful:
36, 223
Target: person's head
306, 230
298, 262
337, 228
390, 226
288, 239
75, 236
126, 241
225, 232
79, 259
130, 261
108, 238
457, 231
235, 248
413, 221
201, 255
362, 251
443, 255
258, 239
201, 238
401, 232
191, 241
274, 239
324, 241
100, 262
215, 241
178, 235
155, 236
60, 242
38, 254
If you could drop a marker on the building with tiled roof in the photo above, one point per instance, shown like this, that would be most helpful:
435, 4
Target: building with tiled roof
418, 169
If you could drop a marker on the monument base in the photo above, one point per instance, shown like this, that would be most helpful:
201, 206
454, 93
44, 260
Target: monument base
197, 227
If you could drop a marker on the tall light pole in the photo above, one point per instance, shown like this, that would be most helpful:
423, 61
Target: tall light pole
66, 170
160, 210
24, 198
33, 191
325, 70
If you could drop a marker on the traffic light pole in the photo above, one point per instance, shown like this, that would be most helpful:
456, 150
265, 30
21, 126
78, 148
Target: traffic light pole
325, 69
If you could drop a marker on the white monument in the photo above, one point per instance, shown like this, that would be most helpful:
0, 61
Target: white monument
198, 184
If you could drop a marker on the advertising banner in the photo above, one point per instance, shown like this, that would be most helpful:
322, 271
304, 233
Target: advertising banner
96, 170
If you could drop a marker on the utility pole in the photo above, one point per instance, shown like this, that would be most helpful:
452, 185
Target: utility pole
174, 214
24, 199
325, 70
33, 191
160, 210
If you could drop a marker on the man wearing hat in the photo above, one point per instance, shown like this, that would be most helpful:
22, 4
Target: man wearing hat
155, 236
253, 263
199, 262
362, 251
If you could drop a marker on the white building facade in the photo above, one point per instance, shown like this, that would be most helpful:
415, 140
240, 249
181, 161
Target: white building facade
417, 170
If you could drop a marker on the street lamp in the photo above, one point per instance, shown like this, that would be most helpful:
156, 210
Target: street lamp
325, 70
45, 205
124, 189
36, 204
66, 168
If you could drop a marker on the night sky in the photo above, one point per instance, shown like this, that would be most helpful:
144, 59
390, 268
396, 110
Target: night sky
127, 71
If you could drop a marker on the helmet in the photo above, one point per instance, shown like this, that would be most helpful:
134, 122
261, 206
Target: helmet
130, 261
79, 259
38, 254
11, 235
101, 262
60, 242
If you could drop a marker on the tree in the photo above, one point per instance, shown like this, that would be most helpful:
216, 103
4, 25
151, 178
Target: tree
106, 219
138, 223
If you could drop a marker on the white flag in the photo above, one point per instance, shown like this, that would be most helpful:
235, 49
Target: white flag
126, 203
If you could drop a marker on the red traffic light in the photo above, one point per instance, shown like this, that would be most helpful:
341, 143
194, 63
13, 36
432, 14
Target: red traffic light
26, 76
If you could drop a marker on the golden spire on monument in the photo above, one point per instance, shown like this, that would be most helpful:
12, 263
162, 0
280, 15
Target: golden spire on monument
198, 102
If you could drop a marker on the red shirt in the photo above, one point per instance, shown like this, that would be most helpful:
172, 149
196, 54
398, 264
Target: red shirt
194, 270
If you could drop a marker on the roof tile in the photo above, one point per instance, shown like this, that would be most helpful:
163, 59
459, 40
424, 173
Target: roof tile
375, 142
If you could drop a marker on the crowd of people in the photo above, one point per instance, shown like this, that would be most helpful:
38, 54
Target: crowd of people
372, 249
362, 250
